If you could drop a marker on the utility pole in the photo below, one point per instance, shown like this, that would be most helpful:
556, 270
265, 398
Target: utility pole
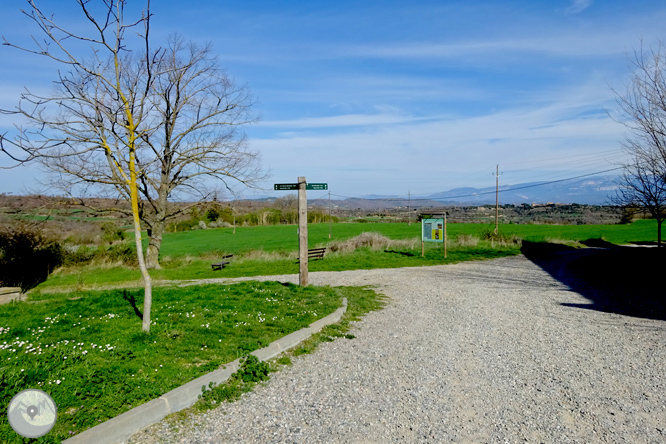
409, 208
302, 233
497, 200
330, 226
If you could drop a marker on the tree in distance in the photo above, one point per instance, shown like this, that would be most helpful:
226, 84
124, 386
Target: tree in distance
127, 119
173, 110
643, 111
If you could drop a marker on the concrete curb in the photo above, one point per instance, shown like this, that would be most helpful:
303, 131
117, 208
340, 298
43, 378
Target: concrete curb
120, 428
8, 294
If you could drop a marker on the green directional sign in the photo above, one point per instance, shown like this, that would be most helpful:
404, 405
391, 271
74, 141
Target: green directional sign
294, 186
285, 186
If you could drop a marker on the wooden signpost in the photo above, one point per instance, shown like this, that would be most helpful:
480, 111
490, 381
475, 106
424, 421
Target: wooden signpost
302, 186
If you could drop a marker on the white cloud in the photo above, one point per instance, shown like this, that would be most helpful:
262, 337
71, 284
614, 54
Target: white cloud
343, 121
445, 151
578, 6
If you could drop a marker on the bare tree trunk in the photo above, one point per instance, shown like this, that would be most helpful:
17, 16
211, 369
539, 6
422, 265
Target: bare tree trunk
154, 246
659, 221
147, 282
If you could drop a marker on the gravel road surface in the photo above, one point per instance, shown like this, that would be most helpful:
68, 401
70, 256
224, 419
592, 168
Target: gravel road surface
477, 352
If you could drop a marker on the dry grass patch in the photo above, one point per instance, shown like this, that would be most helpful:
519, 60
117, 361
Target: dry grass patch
467, 240
372, 240
269, 255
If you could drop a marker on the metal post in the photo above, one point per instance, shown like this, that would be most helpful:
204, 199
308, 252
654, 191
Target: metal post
445, 239
330, 226
422, 243
409, 208
302, 233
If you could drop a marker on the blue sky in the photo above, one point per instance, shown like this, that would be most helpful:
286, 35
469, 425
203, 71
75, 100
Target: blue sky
382, 97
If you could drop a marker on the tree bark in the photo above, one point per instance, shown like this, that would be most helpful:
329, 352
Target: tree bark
147, 282
154, 246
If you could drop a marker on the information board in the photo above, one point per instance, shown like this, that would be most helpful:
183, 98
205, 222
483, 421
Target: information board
432, 230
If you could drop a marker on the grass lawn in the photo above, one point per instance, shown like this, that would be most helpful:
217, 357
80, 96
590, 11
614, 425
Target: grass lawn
90, 355
198, 268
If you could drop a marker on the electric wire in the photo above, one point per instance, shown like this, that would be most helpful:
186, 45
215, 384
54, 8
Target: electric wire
485, 192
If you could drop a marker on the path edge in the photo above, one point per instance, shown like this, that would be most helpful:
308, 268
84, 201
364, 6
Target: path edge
117, 430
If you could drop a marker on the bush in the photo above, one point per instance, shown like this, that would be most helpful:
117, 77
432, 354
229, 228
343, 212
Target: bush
467, 240
501, 239
26, 257
112, 233
122, 252
213, 214
184, 225
372, 240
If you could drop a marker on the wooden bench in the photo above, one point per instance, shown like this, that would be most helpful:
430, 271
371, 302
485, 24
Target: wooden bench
223, 263
316, 253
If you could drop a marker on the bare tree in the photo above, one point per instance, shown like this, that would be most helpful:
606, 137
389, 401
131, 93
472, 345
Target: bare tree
185, 118
94, 112
642, 185
643, 110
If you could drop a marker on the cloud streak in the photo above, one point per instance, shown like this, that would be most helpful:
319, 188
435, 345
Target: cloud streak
578, 6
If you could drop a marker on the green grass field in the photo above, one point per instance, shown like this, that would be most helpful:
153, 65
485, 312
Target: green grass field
181, 255
284, 237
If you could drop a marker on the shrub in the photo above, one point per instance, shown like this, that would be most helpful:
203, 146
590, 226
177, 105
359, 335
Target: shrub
467, 240
122, 252
26, 257
184, 225
213, 214
501, 239
112, 233
374, 241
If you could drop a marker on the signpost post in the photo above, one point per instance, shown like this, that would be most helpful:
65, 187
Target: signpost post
302, 186
302, 233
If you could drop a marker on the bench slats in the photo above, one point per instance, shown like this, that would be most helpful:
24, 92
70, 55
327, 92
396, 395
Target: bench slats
315, 253
223, 263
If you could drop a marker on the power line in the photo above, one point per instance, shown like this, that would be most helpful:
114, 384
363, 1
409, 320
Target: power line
485, 192
593, 154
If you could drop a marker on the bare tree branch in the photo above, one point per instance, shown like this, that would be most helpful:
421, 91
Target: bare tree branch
643, 108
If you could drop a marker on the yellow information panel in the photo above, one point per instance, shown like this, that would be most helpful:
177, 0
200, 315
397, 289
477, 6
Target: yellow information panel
432, 230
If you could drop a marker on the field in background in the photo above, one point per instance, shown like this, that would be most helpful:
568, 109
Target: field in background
285, 238
271, 250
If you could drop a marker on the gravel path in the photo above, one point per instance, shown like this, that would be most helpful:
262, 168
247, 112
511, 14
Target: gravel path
467, 353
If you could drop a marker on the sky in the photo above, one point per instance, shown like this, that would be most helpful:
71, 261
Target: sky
390, 97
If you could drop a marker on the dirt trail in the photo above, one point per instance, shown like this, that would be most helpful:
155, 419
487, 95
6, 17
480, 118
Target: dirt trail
493, 351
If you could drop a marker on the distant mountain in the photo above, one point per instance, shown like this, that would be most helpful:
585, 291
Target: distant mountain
593, 190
